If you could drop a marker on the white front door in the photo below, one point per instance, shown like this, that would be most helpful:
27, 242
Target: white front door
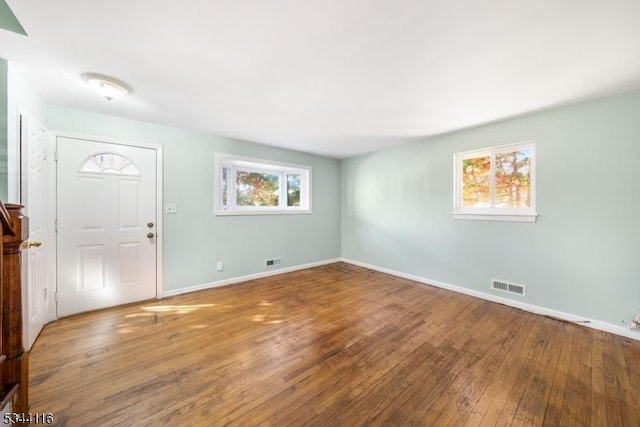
106, 225
40, 247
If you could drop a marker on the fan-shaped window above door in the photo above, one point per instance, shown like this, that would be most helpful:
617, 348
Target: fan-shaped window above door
110, 163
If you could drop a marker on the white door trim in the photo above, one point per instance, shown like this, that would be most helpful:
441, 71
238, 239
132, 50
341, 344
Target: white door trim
159, 187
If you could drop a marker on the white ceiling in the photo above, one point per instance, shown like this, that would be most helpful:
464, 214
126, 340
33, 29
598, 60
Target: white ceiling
333, 77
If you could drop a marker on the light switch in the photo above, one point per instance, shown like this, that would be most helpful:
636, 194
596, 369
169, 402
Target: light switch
171, 208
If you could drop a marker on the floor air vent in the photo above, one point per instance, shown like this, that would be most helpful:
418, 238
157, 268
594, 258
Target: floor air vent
509, 287
273, 262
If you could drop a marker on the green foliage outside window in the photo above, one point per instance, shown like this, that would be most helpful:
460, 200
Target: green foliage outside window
476, 184
293, 190
257, 189
249, 187
512, 180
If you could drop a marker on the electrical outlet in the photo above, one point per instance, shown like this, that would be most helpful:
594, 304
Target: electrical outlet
219, 266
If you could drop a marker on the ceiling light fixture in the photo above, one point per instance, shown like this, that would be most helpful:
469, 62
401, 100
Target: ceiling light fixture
107, 87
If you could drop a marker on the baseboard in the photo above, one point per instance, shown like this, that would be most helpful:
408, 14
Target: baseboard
246, 278
591, 323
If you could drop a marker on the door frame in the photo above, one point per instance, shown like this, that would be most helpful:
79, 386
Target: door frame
159, 191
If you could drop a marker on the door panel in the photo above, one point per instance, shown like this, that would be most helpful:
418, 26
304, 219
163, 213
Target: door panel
39, 254
106, 197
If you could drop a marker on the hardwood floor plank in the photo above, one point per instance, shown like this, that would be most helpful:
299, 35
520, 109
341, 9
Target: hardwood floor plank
407, 372
333, 345
618, 384
517, 330
522, 371
598, 393
531, 409
576, 409
554, 410
631, 352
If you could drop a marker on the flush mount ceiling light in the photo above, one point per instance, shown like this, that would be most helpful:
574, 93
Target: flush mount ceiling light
107, 87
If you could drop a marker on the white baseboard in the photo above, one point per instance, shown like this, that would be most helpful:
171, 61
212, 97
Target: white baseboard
591, 323
246, 278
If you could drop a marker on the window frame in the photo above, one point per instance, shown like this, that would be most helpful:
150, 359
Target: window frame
262, 166
492, 213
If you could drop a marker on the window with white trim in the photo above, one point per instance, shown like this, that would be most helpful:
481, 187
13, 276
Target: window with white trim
246, 186
496, 183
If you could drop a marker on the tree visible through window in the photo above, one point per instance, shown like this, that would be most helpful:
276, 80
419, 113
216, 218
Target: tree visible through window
476, 181
252, 186
293, 189
513, 178
257, 189
496, 181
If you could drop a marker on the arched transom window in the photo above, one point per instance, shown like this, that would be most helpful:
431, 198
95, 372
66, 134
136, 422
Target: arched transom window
110, 163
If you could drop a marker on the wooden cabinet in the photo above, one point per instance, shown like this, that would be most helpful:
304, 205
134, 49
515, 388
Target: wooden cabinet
14, 361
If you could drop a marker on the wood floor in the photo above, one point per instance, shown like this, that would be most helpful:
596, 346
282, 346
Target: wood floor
336, 345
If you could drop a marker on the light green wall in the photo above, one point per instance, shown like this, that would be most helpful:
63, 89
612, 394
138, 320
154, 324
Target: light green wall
8, 20
3, 130
582, 256
195, 239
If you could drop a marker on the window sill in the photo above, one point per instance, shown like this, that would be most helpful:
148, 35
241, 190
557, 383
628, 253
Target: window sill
265, 212
496, 217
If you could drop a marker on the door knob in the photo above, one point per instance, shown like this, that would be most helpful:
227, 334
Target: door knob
27, 244
151, 235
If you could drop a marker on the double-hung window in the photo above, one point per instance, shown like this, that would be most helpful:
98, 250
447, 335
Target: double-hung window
246, 186
496, 183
